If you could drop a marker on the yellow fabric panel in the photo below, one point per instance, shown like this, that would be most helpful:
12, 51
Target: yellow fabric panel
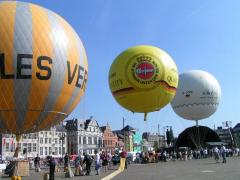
73, 57
10, 120
47, 122
78, 98
7, 19
42, 46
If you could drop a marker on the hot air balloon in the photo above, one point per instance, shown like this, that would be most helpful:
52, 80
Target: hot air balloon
143, 79
198, 96
43, 68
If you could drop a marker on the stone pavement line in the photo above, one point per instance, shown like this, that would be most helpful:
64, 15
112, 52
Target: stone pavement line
112, 175
115, 173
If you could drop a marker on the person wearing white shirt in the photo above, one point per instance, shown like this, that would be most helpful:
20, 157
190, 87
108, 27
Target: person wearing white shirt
97, 162
223, 152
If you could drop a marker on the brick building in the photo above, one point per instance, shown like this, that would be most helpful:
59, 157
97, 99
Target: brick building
110, 140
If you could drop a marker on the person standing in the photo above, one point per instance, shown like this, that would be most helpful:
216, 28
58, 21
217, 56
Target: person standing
52, 165
78, 168
124, 155
104, 161
66, 161
223, 152
88, 161
37, 163
97, 162
216, 154
109, 159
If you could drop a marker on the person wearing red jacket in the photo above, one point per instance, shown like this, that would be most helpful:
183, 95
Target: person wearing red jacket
123, 154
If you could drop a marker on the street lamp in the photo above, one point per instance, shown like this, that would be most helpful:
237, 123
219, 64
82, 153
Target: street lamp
164, 133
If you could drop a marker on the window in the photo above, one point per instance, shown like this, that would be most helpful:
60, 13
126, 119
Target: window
24, 145
46, 151
84, 140
50, 140
50, 150
46, 140
80, 139
95, 140
89, 140
34, 147
60, 152
100, 142
41, 140
7, 147
56, 151
41, 151
60, 141
29, 147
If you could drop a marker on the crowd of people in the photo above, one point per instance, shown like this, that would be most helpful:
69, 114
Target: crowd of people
104, 160
82, 164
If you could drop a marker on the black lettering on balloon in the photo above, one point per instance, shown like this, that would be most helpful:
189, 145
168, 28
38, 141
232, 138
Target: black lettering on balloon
44, 68
71, 76
80, 77
3, 74
85, 80
21, 66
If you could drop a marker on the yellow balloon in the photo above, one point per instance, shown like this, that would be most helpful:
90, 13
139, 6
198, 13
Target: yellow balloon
143, 79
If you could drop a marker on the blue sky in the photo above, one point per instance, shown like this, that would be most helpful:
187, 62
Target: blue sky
197, 34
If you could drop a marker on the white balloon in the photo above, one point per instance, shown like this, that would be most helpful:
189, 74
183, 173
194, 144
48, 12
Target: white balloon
198, 95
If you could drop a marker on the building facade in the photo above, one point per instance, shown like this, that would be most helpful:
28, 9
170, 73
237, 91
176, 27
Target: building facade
43, 143
225, 134
153, 139
137, 142
236, 135
83, 136
53, 142
110, 140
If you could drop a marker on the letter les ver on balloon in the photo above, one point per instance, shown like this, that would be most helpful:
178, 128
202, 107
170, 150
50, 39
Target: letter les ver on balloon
23, 68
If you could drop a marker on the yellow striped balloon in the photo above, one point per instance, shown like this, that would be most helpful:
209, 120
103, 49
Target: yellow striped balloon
43, 68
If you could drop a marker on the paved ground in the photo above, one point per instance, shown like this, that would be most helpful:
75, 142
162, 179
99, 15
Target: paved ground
205, 169
61, 176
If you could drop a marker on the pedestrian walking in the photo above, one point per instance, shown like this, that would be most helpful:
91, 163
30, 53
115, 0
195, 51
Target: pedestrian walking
124, 155
109, 159
78, 167
66, 161
97, 162
223, 152
37, 163
216, 154
104, 161
52, 164
88, 161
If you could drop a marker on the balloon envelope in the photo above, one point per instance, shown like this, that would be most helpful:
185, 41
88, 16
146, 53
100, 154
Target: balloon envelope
198, 95
43, 68
143, 79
